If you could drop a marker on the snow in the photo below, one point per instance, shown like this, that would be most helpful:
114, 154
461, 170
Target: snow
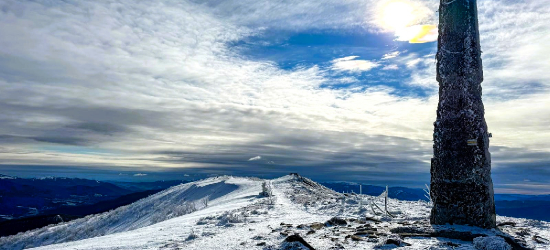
237, 217
491, 243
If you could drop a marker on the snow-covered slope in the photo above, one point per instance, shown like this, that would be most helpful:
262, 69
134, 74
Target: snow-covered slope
170, 203
236, 217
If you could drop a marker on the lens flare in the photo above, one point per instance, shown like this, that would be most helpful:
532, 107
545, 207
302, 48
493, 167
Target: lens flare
417, 34
397, 14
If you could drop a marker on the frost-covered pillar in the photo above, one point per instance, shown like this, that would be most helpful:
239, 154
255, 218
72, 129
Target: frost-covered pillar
461, 185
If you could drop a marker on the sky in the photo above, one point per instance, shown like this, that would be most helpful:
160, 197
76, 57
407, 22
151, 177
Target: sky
334, 90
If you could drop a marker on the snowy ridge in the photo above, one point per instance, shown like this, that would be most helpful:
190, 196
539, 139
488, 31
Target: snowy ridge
7, 177
236, 217
173, 202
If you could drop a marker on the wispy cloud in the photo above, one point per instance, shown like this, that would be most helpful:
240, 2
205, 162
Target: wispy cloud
255, 158
391, 67
391, 55
350, 63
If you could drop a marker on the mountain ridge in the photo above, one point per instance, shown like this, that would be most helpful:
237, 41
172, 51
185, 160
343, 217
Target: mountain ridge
237, 217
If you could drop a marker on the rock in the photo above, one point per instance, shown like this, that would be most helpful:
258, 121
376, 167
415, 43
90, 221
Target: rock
261, 243
310, 232
337, 246
393, 241
372, 219
335, 221
372, 239
317, 226
356, 238
540, 240
258, 237
450, 244
491, 243
523, 232
507, 223
296, 238
411, 230
285, 233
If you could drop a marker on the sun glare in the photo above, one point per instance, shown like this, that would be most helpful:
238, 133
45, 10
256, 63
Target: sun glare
397, 14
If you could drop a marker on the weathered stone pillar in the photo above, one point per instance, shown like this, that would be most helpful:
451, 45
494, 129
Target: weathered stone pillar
461, 185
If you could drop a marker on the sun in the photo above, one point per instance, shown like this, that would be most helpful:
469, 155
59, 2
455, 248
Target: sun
397, 14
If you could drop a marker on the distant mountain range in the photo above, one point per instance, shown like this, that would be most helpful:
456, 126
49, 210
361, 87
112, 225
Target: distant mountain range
26, 197
32, 203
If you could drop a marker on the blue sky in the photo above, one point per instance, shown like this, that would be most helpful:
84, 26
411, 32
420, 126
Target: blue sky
333, 90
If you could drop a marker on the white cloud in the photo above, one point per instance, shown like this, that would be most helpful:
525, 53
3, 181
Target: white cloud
255, 158
390, 55
391, 67
412, 63
350, 64
140, 174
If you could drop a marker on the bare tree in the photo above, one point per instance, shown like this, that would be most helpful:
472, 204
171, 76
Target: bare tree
204, 201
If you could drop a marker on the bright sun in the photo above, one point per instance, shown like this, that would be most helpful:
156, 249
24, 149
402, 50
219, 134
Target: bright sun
397, 14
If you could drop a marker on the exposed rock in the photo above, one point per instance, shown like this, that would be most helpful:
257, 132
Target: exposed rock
337, 246
363, 232
507, 223
392, 241
450, 244
523, 232
356, 238
540, 240
491, 243
452, 234
335, 221
461, 184
317, 226
286, 233
296, 238
258, 237
372, 219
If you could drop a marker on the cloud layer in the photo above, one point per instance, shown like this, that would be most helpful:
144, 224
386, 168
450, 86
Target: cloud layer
157, 84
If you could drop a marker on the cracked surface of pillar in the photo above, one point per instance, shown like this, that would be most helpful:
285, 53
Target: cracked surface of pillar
461, 184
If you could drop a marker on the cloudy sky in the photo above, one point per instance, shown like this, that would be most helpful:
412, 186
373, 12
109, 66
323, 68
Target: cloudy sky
335, 90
